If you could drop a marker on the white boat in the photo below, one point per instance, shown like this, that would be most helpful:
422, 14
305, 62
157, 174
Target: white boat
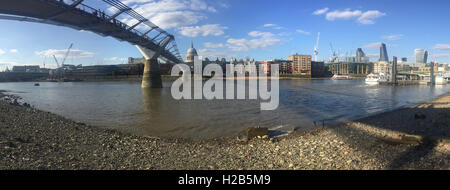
341, 77
440, 80
375, 78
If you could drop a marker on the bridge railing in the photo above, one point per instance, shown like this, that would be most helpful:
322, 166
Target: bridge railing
100, 14
105, 17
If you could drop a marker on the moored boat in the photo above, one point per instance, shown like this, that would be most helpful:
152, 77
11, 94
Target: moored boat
341, 77
375, 78
440, 80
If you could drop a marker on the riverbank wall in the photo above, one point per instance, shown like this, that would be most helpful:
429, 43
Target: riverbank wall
22, 76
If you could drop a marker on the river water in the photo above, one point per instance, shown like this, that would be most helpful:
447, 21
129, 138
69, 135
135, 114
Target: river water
126, 107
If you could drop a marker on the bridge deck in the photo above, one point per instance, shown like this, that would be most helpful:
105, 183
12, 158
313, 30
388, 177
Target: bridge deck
81, 17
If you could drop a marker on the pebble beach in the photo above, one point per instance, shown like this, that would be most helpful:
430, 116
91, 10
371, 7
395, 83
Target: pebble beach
414, 137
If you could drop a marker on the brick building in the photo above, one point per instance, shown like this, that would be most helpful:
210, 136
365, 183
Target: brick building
301, 64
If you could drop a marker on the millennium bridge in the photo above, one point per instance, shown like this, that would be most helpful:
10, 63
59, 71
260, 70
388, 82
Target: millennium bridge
154, 43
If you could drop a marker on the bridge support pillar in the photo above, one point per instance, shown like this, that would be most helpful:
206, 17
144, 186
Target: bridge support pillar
152, 74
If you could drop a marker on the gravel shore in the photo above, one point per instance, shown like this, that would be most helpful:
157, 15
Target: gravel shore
33, 139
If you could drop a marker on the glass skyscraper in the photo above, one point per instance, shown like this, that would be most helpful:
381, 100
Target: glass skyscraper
383, 53
360, 55
421, 55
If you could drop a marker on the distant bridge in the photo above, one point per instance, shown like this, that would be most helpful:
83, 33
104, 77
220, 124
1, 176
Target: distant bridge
153, 43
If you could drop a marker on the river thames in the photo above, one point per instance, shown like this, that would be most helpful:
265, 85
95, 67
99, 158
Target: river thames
153, 112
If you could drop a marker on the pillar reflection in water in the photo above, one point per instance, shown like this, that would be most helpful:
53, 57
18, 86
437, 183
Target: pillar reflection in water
156, 111
153, 97
393, 95
165, 116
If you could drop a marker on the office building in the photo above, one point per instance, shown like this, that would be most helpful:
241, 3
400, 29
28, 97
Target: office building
383, 53
381, 67
27, 68
132, 60
360, 56
301, 64
350, 68
421, 55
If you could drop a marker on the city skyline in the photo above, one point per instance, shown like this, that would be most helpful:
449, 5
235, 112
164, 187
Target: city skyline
261, 30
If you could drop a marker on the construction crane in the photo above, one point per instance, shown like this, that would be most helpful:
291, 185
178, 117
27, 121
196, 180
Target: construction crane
333, 53
60, 70
67, 54
64, 58
334, 57
56, 60
45, 58
316, 47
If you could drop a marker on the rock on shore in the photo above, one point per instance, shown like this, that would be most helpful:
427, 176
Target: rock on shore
33, 139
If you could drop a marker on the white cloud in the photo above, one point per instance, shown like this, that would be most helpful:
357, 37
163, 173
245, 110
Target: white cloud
176, 19
377, 45
393, 37
346, 14
223, 4
303, 32
74, 53
212, 9
367, 17
8, 64
167, 13
116, 59
372, 45
261, 40
343, 56
260, 34
440, 56
269, 25
150, 7
10, 51
321, 11
372, 55
201, 5
205, 30
274, 26
212, 53
442, 47
213, 45
284, 34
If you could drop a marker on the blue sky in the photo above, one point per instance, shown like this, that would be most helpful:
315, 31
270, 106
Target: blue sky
259, 29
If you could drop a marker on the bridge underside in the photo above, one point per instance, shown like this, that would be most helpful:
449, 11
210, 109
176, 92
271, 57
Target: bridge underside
82, 17
53, 12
